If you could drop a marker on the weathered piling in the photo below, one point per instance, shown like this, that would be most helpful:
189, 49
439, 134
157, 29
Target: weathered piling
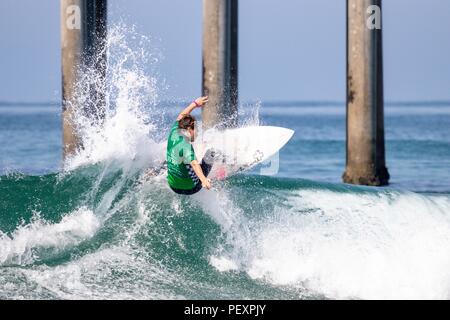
365, 163
220, 62
83, 36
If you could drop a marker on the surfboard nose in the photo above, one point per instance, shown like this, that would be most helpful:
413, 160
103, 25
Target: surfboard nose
283, 134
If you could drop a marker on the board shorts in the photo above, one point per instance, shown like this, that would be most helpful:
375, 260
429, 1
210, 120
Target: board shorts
206, 165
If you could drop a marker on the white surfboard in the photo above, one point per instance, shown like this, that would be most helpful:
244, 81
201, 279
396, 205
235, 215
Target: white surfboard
242, 148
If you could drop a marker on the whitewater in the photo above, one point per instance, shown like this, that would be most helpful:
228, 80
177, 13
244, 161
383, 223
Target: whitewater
101, 229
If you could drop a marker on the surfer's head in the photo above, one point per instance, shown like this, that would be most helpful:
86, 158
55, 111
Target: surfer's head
187, 123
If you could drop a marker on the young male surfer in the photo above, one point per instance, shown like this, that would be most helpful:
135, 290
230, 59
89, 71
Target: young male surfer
185, 174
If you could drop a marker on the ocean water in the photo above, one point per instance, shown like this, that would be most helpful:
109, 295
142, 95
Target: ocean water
94, 228
417, 140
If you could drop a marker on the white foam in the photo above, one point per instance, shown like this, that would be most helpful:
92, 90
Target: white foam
216, 203
124, 133
20, 247
93, 276
356, 246
223, 263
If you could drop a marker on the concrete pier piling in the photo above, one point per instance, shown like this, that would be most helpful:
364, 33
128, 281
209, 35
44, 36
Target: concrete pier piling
220, 62
83, 35
365, 162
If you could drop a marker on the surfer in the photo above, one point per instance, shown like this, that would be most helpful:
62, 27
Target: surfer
185, 174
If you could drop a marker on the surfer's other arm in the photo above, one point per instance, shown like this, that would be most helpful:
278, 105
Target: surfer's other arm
206, 183
194, 104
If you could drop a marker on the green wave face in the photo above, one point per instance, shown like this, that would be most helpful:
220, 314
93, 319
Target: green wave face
100, 227
104, 232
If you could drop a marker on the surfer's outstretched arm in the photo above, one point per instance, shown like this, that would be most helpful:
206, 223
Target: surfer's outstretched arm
206, 183
194, 104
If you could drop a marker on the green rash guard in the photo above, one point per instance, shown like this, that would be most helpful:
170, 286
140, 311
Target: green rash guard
179, 153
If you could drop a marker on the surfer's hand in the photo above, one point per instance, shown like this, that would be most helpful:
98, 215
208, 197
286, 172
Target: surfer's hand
206, 183
201, 101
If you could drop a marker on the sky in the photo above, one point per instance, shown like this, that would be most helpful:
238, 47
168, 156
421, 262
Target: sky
288, 49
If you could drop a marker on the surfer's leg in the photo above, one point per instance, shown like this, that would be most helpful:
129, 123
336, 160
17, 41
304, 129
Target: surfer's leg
206, 165
208, 161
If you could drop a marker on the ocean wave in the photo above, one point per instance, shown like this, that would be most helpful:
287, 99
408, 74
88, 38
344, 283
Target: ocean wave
24, 245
